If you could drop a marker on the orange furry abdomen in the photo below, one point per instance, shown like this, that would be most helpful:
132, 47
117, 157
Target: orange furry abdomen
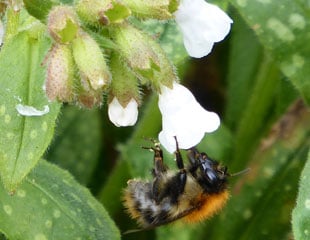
209, 205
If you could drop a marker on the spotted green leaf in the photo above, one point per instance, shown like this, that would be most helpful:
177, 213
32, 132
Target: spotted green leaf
283, 28
50, 204
23, 139
77, 143
301, 213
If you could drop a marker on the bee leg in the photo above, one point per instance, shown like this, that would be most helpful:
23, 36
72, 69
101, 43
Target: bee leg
194, 160
180, 179
158, 171
159, 166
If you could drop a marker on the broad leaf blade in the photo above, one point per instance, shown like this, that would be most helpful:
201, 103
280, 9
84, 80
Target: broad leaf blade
77, 145
23, 140
59, 208
283, 28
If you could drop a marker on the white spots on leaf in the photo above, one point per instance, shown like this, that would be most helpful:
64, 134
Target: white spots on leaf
297, 21
247, 214
33, 134
268, 172
2, 110
8, 209
30, 111
30, 156
291, 67
40, 236
21, 193
307, 204
48, 224
73, 213
7, 118
92, 228
242, 3
280, 30
10, 135
44, 126
298, 61
56, 213
43, 201
264, 1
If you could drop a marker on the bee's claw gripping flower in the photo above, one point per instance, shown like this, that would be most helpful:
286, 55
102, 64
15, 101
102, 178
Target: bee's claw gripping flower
202, 24
183, 117
123, 116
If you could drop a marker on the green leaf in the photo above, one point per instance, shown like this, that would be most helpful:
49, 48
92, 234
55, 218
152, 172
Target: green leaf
283, 29
40, 8
301, 213
262, 200
23, 139
241, 79
77, 145
50, 204
255, 118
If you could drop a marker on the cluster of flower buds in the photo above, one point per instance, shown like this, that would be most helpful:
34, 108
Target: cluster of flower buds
97, 50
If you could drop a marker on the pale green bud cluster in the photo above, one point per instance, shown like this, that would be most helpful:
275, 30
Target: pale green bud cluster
97, 50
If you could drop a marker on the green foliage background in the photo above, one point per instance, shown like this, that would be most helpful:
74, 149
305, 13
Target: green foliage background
257, 80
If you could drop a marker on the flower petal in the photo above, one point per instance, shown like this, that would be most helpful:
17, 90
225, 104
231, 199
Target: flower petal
202, 24
122, 117
183, 117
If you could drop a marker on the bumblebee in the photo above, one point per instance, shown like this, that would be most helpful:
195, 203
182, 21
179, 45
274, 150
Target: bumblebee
193, 193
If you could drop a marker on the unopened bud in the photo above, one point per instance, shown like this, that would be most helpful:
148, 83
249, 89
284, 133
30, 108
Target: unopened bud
134, 47
63, 24
124, 84
90, 61
60, 74
88, 97
102, 12
144, 56
159, 9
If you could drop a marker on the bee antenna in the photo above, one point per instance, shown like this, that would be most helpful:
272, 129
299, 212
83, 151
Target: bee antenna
132, 231
240, 172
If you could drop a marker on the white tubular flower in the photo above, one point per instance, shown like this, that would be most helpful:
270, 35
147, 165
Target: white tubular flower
183, 117
202, 24
123, 117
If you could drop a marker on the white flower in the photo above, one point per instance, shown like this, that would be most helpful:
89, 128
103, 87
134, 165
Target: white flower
183, 117
202, 24
120, 116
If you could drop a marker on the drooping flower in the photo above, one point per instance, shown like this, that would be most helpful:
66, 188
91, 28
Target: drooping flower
202, 24
183, 117
123, 116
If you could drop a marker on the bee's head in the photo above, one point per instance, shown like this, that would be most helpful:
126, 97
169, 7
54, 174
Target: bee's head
213, 176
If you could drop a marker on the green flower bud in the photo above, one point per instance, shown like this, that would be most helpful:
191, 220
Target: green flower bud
88, 97
124, 84
160, 9
60, 74
62, 24
102, 12
144, 56
134, 47
90, 61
